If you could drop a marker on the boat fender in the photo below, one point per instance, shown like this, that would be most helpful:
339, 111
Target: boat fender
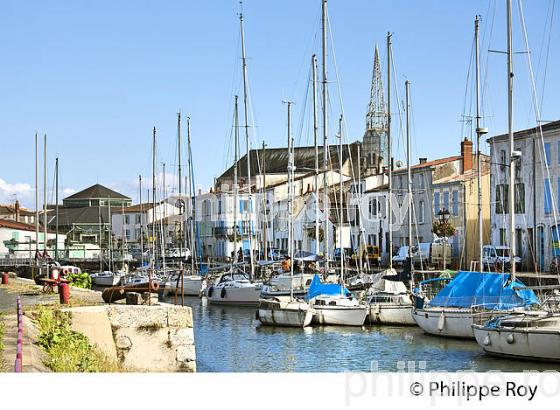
210, 291
223, 293
441, 322
510, 339
486, 341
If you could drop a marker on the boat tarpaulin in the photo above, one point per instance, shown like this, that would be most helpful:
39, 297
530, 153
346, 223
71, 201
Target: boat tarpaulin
317, 289
486, 289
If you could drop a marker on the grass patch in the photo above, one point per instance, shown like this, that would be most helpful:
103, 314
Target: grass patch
67, 350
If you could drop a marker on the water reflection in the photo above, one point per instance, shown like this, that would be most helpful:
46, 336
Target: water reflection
230, 339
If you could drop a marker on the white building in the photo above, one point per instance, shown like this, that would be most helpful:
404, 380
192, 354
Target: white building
18, 240
537, 192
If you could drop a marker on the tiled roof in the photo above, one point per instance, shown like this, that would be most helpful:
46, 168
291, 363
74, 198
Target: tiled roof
6, 223
11, 210
97, 191
135, 208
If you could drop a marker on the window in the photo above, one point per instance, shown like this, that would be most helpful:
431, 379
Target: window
244, 205
502, 198
138, 218
455, 203
220, 207
421, 181
502, 236
137, 233
547, 152
547, 197
373, 207
420, 212
371, 239
127, 219
446, 201
127, 234
520, 198
436, 202
503, 160
519, 242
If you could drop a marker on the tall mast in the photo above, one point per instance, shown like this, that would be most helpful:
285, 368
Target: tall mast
154, 170
192, 196
325, 133
341, 210
179, 170
45, 195
479, 133
111, 267
141, 221
316, 142
56, 210
511, 143
409, 173
389, 152
265, 219
235, 177
100, 236
36, 192
246, 126
290, 199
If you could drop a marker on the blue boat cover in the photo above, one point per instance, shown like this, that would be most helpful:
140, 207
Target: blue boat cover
317, 289
490, 290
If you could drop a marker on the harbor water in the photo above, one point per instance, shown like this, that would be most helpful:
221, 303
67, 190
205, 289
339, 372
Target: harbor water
230, 339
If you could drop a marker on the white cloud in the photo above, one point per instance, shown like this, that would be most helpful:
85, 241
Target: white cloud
22, 191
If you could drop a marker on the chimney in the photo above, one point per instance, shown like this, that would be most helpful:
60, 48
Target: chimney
16, 208
422, 160
466, 154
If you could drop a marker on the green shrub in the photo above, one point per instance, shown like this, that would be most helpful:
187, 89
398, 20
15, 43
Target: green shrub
80, 280
67, 350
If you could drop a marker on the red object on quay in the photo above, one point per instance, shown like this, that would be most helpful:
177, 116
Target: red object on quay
4, 278
64, 293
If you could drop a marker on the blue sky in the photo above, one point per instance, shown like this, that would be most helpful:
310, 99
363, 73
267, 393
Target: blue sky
96, 76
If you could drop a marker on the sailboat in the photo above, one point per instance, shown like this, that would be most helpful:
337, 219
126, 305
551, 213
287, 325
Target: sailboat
336, 306
286, 310
474, 297
389, 300
525, 335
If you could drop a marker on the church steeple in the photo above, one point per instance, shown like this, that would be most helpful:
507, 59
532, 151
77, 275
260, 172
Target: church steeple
375, 137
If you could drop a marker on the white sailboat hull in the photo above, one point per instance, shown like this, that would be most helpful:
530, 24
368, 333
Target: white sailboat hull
106, 280
389, 314
530, 343
192, 286
445, 322
239, 296
290, 314
340, 315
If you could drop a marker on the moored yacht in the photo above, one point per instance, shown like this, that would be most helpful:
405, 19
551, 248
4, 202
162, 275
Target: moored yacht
193, 285
390, 302
471, 297
528, 335
107, 278
234, 288
335, 305
285, 311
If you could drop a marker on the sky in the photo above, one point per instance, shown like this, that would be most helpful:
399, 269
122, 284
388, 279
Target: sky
97, 76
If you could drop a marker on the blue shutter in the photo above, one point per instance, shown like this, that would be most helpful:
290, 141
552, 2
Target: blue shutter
547, 197
446, 200
241, 205
547, 152
436, 202
456, 203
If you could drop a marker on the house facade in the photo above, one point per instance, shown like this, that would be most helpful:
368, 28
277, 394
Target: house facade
537, 193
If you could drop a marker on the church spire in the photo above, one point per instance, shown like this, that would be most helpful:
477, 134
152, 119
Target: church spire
376, 115
375, 137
